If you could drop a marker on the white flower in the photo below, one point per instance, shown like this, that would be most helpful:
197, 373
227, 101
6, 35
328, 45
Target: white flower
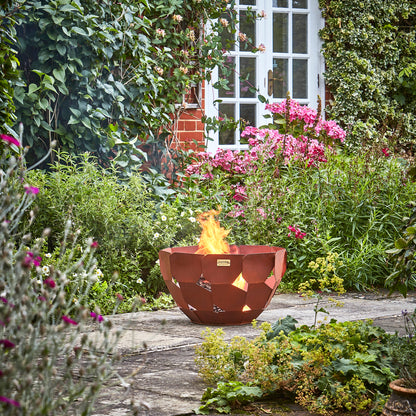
45, 270
182, 213
48, 255
156, 235
98, 272
192, 219
163, 218
157, 262
139, 281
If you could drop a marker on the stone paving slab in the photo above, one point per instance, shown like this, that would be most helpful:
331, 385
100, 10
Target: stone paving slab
159, 348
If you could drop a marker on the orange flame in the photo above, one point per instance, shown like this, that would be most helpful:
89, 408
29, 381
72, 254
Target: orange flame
212, 239
240, 282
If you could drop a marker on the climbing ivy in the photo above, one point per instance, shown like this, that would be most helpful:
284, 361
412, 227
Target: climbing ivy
370, 53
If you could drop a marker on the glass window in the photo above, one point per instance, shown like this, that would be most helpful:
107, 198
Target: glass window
226, 136
280, 78
247, 115
280, 32
280, 3
247, 77
247, 2
227, 72
300, 33
300, 78
247, 28
300, 4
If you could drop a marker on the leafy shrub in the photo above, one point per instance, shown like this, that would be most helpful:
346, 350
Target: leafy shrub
49, 363
99, 77
333, 367
403, 277
369, 55
120, 216
289, 189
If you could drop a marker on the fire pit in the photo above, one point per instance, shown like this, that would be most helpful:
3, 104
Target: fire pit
223, 289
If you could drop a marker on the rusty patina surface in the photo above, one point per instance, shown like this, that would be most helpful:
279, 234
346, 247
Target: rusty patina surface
223, 289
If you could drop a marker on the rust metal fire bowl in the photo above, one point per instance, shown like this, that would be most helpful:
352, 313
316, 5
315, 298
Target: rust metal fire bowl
223, 289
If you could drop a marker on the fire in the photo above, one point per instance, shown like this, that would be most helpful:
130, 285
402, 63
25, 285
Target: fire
212, 239
240, 282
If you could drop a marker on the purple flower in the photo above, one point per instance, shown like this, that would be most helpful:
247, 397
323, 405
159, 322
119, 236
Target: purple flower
9, 401
69, 320
31, 189
6, 343
10, 140
96, 317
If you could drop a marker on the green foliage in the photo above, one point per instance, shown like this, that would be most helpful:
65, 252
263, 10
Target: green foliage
403, 350
334, 367
403, 278
121, 217
104, 77
228, 396
8, 65
352, 205
369, 49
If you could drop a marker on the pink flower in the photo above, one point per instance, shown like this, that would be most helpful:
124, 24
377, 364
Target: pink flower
9, 401
31, 189
261, 212
385, 151
96, 317
49, 282
94, 244
6, 343
69, 320
298, 234
9, 139
31, 259
119, 297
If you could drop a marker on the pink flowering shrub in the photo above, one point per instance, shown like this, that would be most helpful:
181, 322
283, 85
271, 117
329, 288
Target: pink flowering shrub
297, 135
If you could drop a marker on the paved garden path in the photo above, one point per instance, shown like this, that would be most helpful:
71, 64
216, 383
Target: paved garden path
158, 347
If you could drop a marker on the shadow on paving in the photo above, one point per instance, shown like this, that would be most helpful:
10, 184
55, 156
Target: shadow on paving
158, 348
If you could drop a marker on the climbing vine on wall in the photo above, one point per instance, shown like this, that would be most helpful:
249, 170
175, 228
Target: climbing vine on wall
370, 53
103, 76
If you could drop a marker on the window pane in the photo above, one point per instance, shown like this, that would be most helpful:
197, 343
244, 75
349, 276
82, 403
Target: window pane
280, 32
227, 38
300, 33
279, 3
280, 86
300, 78
247, 77
226, 136
248, 28
300, 4
247, 2
227, 71
248, 116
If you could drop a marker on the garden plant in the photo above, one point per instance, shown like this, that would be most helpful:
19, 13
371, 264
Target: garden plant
48, 359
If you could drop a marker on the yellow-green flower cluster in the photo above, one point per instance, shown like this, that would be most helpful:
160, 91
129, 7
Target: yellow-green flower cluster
327, 279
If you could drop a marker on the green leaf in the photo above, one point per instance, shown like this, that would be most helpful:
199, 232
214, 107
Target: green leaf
59, 74
400, 243
33, 88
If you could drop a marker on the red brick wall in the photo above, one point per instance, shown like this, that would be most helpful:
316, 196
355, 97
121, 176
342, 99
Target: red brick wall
190, 129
